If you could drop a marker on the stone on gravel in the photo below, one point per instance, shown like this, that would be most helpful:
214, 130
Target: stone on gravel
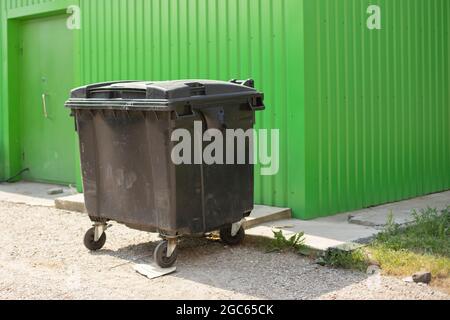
373, 270
422, 277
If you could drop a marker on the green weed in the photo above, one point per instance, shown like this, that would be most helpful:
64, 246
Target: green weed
280, 243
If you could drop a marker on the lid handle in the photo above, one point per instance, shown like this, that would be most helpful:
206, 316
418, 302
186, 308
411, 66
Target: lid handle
247, 83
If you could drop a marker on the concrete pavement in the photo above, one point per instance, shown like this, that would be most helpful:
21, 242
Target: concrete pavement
31, 193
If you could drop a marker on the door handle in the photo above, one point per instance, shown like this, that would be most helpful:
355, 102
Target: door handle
44, 105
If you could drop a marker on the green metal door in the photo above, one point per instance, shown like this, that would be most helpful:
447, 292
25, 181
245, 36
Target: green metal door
46, 77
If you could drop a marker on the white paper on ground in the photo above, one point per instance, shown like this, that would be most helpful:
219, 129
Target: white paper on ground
408, 279
152, 271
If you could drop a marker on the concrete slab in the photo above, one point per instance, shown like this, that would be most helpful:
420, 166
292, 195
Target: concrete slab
71, 203
262, 214
31, 193
401, 211
320, 234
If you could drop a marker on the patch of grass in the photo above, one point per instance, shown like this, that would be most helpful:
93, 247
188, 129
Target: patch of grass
405, 262
280, 243
402, 251
429, 234
424, 245
356, 259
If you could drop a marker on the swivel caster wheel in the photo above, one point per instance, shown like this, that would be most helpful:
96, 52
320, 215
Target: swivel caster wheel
164, 257
232, 234
95, 238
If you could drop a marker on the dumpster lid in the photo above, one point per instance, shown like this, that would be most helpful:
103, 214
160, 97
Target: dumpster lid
159, 95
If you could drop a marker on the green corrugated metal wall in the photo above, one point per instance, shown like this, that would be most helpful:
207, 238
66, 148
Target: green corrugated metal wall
363, 114
3, 87
15, 4
377, 103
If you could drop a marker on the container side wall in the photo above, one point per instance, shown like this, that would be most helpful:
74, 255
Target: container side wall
173, 39
377, 103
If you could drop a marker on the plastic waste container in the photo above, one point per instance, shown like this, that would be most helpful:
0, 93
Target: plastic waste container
126, 132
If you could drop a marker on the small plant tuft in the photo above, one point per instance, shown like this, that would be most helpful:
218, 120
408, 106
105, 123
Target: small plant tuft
280, 243
356, 259
391, 227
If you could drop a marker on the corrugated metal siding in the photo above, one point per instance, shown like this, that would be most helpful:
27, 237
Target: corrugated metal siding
172, 39
377, 103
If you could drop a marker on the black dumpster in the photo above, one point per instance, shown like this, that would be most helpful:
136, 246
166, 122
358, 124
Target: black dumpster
129, 176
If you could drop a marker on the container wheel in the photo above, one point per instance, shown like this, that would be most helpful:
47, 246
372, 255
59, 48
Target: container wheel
161, 258
89, 240
227, 238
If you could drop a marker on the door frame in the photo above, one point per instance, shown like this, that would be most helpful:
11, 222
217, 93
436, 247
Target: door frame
12, 118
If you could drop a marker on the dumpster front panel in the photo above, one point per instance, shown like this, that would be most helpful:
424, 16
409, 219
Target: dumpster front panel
122, 175
126, 148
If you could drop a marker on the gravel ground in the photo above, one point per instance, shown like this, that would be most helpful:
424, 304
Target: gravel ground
43, 257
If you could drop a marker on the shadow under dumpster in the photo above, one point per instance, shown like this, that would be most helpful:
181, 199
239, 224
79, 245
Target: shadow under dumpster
247, 269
